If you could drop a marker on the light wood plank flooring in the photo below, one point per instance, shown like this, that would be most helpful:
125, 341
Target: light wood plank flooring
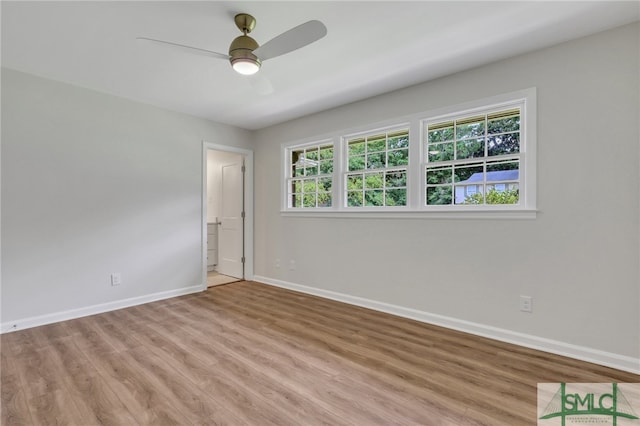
250, 354
215, 278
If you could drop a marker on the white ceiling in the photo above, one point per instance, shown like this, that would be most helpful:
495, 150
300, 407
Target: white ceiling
372, 47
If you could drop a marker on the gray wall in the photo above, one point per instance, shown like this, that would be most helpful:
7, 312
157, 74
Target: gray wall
579, 259
94, 184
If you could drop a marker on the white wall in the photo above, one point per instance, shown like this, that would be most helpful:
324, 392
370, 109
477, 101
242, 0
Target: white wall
578, 259
94, 184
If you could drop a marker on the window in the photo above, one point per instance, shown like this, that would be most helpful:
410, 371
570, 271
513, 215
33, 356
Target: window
377, 169
473, 159
310, 176
468, 161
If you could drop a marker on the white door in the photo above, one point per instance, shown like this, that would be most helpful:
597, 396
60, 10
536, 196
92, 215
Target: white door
230, 235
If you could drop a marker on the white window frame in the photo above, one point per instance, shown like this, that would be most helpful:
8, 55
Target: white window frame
526, 200
345, 172
288, 178
416, 184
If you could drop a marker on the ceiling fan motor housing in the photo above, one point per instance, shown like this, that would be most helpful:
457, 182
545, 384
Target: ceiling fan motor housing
242, 49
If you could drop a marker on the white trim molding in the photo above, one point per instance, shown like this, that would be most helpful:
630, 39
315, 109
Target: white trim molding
30, 322
582, 353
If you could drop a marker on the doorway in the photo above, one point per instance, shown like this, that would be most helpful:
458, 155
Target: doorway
228, 214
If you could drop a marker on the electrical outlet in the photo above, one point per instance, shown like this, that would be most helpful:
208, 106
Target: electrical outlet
277, 263
292, 265
116, 278
526, 303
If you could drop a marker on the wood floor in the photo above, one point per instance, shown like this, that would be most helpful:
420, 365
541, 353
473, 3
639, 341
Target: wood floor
251, 354
215, 278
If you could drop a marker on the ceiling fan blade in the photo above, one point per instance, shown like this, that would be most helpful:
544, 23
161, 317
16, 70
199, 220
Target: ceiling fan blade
291, 40
188, 49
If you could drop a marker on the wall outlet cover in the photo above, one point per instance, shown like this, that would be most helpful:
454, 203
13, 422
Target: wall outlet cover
526, 303
116, 279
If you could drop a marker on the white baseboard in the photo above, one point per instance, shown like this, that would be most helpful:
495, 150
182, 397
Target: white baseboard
595, 356
24, 323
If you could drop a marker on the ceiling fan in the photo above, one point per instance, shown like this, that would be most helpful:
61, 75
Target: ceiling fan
245, 54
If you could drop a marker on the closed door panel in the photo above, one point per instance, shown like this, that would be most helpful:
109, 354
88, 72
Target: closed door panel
230, 247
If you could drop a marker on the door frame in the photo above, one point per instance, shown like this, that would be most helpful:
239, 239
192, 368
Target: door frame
247, 156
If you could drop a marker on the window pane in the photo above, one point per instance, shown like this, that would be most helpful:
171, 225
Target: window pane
311, 170
498, 194
326, 167
312, 154
504, 144
324, 199
440, 175
439, 195
374, 198
504, 124
297, 200
354, 198
469, 194
326, 152
470, 128
354, 182
499, 191
356, 163
295, 156
296, 185
309, 200
396, 197
309, 185
324, 184
375, 160
297, 166
356, 147
376, 143
373, 181
396, 141
396, 179
468, 173
440, 132
398, 158
440, 152
470, 148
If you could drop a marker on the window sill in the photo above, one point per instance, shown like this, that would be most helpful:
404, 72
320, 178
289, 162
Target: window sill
416, 214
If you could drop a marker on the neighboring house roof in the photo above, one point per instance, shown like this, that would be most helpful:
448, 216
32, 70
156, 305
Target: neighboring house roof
501, 175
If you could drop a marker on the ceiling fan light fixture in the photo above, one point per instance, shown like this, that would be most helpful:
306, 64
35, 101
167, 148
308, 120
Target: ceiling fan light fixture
245, 66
